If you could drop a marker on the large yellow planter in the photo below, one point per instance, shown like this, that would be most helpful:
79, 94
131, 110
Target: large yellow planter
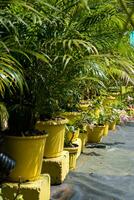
55, 140
28, 154
112, 126
72, 156
105, 133
95, 134
72, 116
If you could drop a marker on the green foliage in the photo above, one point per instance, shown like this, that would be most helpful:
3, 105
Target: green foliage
65, 46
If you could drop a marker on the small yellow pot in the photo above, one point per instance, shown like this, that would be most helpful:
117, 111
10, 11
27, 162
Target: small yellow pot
28, 154
95, 134
55, 140
72, 156
112, 126
105, 133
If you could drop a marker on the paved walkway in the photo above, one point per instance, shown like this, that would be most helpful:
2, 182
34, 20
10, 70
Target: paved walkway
102, 174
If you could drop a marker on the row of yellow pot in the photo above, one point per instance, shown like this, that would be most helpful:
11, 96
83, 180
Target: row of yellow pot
29, 151
92, 135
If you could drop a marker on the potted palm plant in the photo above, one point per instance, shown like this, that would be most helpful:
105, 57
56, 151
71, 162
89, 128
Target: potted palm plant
22, 136
46, 64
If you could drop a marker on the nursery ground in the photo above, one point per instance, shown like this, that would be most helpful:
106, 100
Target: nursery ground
102, 173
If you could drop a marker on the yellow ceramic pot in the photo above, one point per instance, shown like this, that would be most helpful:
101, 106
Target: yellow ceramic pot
55, 140
105, 133
95, 134
72, 156
112, 126
28, 154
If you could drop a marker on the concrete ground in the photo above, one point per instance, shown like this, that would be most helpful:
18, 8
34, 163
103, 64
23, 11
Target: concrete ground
102, 173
